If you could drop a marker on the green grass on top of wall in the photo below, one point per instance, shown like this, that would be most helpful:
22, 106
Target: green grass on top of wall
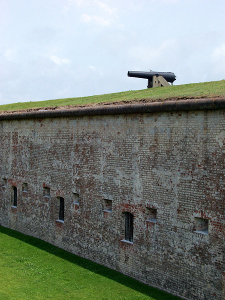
33, 269
203, 89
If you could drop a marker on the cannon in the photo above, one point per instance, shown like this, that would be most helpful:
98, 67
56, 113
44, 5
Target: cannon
154, 78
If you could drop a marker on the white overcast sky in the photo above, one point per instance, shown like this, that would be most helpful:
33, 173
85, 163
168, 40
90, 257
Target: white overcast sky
53, 49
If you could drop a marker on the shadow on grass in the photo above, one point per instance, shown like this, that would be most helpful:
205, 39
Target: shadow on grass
91, 266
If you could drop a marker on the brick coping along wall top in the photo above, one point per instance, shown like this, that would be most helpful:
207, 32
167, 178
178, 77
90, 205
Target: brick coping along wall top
151, 107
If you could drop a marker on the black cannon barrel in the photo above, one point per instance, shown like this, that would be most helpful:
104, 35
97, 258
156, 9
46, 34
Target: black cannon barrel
169, 76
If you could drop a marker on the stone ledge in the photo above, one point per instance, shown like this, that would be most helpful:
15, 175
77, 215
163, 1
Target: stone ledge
166, 106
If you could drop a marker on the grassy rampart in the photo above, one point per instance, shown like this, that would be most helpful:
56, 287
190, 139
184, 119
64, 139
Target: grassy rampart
194, 90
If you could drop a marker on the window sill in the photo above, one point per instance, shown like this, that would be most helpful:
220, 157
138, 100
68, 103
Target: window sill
13, 206
107, 214
205, 232
60, 221
152, 221
128, 242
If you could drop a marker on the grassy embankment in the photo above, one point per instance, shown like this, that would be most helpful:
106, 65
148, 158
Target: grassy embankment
33, 269
203, 89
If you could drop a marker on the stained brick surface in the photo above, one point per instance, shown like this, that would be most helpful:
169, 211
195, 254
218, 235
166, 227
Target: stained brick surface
171, 164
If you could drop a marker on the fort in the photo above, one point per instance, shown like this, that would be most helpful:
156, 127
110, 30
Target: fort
139, 188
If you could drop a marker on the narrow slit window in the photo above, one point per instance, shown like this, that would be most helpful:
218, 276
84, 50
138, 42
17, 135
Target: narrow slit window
46, 192
128, 227
61, 209
14, 196
76, 200
4, 184
24, 188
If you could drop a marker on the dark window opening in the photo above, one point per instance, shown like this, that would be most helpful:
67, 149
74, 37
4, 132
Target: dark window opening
128, 227
24, 187
151, 215
107, 205
46, 192
4, 184
61, 209
201, 225
14, 196
76, 200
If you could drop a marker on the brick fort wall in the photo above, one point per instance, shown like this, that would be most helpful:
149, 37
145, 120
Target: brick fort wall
142, 193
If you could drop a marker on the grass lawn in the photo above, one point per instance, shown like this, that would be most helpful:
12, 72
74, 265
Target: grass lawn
33, 269
203, 89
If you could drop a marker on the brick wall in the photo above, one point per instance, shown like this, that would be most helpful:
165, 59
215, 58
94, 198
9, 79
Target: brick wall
165, 169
